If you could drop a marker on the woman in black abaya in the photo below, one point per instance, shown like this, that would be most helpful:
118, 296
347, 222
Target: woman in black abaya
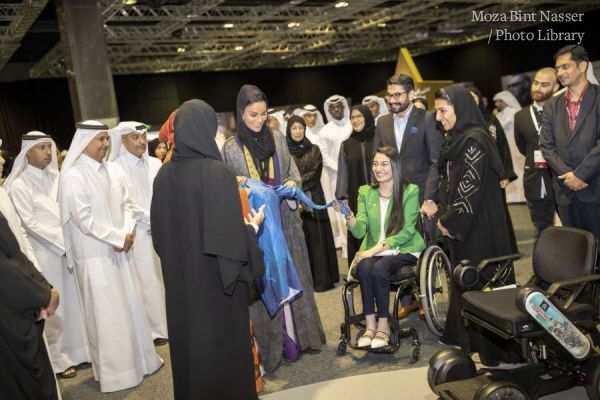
472, 214
354, 163
315, 223
208, 256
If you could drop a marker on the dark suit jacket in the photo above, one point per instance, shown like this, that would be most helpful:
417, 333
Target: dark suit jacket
578, 152
419, 151
527, 139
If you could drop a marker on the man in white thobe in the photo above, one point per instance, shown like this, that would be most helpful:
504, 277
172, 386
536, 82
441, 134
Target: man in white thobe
32, 186
98, 218
507, 106
130, 151
377, 106
314, 122
331, 136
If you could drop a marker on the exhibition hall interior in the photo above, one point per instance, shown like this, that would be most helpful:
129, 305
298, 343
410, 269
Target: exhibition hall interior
299, 199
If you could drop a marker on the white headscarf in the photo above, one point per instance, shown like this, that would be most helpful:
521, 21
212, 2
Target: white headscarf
507, 97
27, 142
86, 131
278, 115
589, 74
336, 98
383, 108
310, 109
116, 138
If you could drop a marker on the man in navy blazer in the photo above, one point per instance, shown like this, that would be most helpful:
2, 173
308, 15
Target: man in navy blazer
570, 141
413, 133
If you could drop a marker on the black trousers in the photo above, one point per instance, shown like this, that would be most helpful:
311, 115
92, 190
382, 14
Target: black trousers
542, 214
581, 215
374, 275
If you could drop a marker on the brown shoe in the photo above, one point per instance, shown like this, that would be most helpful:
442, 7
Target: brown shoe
404, 311
421, 311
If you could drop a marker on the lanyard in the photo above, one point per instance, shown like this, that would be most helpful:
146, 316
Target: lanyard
534, 119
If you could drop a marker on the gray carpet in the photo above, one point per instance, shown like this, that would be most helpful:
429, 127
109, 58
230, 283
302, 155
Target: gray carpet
311, 368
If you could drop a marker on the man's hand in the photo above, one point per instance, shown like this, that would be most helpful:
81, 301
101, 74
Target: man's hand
256, 217
50, 309
429, 209
444, 231
128, 242
504, 183
573, 182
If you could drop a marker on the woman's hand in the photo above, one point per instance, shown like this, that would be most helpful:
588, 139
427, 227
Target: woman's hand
504, 183
444, 231
241, 180
290, 183
255, 217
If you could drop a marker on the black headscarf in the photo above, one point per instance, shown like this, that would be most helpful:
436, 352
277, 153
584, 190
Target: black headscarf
260, 144
297, 149
487, 115
470, 124
153, 145
200, 187
368, 132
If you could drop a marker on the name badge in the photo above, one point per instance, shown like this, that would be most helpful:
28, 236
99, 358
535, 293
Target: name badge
539, 162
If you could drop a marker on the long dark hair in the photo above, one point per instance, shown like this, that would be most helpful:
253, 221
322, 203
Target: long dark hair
399, 183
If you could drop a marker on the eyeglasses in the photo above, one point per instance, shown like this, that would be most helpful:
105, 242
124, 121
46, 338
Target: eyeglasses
394, 96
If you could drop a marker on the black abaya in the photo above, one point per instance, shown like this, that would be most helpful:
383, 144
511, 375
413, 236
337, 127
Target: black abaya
208, 255
25, 369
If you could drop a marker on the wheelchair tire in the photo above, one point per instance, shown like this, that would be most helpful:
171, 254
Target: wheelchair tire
341, 349
435, 276
592, 378
500, 391
449, 365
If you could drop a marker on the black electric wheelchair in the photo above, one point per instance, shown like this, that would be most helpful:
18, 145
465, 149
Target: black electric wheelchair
428, 281
552, 320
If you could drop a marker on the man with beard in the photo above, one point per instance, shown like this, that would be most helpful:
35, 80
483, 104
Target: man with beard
570, 141
332, 135
413, 133
377, 106
537, 180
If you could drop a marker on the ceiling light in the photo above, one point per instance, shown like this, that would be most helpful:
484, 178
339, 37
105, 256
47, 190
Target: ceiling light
382, 25
181, 49
130, 2
228, 26
293, 24
341, 4
238, 48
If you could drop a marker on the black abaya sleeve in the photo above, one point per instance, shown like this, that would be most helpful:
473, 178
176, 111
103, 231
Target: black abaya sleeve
341, 188
504, 150
311, 173
466, 191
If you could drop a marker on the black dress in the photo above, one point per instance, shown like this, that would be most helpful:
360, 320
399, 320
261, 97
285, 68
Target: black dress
315, 223
208, 256
25, 369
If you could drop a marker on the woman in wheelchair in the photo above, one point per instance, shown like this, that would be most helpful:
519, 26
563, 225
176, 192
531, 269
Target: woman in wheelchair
386, 217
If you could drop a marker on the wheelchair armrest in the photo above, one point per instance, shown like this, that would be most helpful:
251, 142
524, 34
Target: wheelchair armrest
495, 260
569, 282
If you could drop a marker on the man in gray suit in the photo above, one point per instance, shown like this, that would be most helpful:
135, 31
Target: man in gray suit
413, 133
570, 141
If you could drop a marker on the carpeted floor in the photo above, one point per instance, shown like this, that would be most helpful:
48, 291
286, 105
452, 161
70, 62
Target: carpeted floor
311, 368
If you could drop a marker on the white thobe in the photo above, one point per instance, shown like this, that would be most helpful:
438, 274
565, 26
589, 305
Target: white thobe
515, 193
140, 173
331, 137
35, 202
9, 212
312, 134
100, 214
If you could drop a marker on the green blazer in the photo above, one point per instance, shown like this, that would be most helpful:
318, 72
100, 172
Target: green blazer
368, 217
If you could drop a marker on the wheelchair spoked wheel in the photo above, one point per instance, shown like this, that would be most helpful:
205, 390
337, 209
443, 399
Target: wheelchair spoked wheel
435, 275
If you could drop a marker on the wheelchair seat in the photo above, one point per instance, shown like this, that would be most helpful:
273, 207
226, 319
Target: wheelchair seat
498, 308
562, 258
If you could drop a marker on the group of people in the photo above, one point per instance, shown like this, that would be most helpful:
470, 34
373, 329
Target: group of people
137, 248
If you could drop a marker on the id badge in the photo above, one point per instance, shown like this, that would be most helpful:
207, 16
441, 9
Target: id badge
539, 162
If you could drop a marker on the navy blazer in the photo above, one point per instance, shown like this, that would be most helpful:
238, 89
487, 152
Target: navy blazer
578, 152
419, 152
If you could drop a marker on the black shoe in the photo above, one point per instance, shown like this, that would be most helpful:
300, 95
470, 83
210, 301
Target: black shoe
160, 341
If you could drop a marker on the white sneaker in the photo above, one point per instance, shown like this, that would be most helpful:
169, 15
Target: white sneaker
364, 341
378, 342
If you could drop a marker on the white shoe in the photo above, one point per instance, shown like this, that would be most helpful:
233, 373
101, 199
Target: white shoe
364, 340
379, 342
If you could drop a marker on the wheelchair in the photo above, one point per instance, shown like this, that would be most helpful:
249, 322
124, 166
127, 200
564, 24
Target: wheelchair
428, 281
552, 320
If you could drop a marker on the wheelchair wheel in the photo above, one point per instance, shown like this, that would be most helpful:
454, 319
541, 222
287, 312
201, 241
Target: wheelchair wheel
449, 365
435, 274
592, 378
500, 391
341, 350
